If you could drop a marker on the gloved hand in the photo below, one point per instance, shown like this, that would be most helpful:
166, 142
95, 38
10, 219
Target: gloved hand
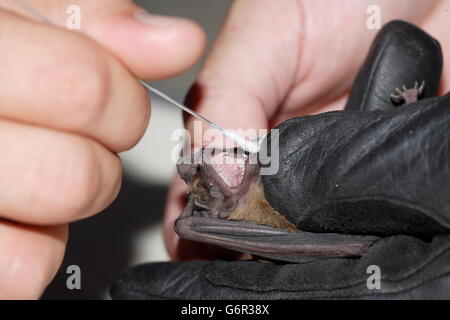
374, 169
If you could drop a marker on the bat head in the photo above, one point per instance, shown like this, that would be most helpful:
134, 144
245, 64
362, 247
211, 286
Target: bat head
218, 180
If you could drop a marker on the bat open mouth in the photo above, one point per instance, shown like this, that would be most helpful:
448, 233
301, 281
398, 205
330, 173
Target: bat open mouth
218, 181
226, 206
229, 168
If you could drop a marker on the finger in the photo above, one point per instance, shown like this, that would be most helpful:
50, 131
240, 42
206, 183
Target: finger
29, 258
51, 177
60, 79
151, 46
247, 73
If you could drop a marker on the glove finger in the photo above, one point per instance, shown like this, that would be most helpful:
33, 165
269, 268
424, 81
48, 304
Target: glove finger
378, 173
401, 55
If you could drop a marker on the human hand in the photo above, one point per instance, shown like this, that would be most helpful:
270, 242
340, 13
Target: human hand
69, 102
274, 61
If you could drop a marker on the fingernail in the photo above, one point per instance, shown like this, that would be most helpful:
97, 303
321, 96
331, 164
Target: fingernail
154, 20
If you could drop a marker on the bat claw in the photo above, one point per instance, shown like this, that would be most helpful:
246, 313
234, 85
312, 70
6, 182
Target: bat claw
407, 96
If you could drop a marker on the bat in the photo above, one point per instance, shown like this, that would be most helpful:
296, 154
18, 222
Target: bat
346, 178
235, 214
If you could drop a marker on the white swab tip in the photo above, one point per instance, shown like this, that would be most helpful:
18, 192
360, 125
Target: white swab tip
247, 145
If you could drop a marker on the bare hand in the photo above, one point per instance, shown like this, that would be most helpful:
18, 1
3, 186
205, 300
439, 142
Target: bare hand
69, 102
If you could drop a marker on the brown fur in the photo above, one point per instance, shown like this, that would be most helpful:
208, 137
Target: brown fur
196, 187
256, 208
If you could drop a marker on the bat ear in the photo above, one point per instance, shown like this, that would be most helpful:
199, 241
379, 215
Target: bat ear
188, 166
401, 56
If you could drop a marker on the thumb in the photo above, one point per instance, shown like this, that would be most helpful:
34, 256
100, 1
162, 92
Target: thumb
247, 75
151, 46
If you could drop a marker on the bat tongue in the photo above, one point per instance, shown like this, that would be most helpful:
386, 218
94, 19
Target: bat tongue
230, 169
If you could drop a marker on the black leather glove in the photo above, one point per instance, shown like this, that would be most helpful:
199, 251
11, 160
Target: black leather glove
375, 173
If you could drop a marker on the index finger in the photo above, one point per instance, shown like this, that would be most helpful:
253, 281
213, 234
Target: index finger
151, 46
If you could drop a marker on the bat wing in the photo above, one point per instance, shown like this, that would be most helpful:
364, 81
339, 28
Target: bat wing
270, 242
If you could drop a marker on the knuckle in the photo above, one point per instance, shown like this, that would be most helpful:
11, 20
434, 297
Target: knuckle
80, 180
82, 80
128, 136
65, 185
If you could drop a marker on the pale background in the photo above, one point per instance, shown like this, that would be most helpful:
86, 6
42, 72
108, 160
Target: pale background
129, 231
